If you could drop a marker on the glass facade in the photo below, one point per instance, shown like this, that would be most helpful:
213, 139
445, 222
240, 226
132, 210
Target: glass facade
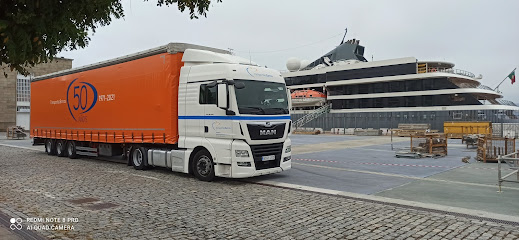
409, 101
393, 86
382, 71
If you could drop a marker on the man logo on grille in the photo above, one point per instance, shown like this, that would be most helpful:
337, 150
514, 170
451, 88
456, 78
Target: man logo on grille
16, 223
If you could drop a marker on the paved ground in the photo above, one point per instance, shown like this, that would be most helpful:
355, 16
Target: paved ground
367, 165
112, 200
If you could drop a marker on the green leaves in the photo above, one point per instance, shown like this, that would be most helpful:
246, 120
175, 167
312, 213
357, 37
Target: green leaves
32, 32
200, 6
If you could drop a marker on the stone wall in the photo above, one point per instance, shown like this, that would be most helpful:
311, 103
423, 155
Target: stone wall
8, 88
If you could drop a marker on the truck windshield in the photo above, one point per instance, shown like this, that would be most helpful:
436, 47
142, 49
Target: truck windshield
264, 98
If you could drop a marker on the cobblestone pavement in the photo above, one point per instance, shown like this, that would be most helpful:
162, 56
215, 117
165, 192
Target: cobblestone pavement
111, 200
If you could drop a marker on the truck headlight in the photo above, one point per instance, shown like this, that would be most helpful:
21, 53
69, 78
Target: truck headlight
241, 153
288, 149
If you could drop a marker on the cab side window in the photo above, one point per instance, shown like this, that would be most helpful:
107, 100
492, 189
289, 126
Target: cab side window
208, 95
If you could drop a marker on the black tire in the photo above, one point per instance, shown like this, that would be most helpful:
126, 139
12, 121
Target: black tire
139, 158
203, 166
61, 150
71, 149
50, 146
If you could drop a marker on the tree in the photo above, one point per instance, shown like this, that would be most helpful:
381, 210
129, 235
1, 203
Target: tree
34, 31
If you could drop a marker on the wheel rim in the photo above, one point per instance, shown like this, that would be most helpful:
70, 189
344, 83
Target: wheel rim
137, 157
204, 166
70, 149
48, 146
59, 147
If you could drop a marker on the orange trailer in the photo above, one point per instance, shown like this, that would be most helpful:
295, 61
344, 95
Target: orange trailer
94, 105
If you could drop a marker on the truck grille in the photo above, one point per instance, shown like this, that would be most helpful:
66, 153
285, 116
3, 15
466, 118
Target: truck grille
262, 132
259, 151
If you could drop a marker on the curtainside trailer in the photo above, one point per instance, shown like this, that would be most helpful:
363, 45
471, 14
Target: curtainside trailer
190, 108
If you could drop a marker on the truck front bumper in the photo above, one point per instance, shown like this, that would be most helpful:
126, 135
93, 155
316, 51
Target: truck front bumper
257, 162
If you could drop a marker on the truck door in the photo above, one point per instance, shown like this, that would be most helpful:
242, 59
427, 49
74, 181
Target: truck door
216, 125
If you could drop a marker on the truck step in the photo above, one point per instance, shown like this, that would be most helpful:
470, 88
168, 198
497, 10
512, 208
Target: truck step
88, 149
90, 154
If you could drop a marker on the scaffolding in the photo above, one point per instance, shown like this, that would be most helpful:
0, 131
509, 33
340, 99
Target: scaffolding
490, 148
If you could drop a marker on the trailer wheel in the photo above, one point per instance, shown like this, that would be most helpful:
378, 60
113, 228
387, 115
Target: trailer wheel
60, 148
203, 166
50, 147
139, 158
71, 149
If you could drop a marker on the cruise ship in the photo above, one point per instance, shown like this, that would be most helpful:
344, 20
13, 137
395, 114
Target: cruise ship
382, 94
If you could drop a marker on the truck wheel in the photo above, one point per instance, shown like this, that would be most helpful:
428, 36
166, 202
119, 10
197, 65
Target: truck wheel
139, 158
203, 166
71, 149
60, 148
50, 147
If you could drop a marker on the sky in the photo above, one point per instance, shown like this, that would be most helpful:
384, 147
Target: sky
481, 37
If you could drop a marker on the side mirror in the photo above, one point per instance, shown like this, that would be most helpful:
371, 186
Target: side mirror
212, 84
222, 96
239, 85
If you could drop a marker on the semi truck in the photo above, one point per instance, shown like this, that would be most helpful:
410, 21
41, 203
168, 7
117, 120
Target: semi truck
190, 108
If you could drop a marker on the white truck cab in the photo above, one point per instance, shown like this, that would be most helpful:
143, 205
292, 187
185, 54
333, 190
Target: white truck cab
234, 115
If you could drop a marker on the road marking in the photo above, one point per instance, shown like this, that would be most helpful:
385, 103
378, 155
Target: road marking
381, 164
27, 148
405, 176
314, 160
383, 200
404, 165
394, 164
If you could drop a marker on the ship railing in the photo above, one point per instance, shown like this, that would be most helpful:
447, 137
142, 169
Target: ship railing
307, 98
485, 87
506, 102
451, 70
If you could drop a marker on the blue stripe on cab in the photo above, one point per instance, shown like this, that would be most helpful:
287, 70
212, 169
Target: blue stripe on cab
284, 117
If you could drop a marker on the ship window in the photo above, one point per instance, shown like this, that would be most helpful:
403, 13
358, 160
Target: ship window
482, 115
425, 116
365, 103
394, 102
208, 95
457, 115
427, 100
379, 103
396, 86
378, 88
363, 88
428, 84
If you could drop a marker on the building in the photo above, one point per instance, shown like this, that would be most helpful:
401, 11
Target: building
15, 93
382, 94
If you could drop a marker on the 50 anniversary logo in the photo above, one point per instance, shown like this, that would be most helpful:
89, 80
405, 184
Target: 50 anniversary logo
81, 98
